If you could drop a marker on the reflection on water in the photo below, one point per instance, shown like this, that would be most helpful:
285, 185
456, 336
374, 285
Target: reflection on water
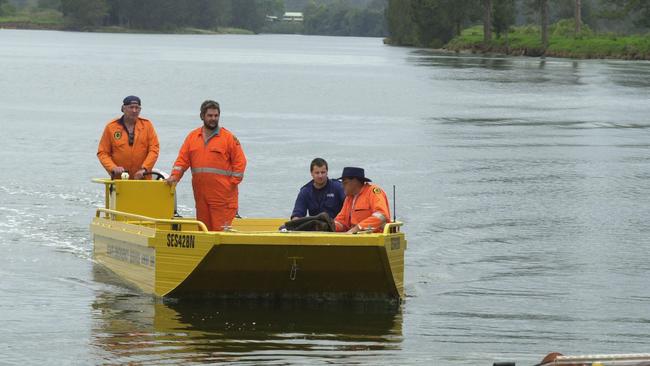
502, 70
130, 327
510, 122
435, 58
534, 70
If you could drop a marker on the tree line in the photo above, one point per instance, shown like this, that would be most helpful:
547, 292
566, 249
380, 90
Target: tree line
432, 23
324, 17
165, 15
341, 18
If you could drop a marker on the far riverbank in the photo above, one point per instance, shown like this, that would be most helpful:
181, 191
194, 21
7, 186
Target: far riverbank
113, 29
526, 41
53, 20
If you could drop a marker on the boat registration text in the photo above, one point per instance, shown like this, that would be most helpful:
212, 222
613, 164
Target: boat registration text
180, 241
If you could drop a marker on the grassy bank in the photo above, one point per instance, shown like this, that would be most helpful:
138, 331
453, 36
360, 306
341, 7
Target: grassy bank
53, 20
184, 30
41, 19
527, 41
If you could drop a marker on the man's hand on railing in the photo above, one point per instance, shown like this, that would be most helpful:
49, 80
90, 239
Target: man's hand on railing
171, 180
355, 229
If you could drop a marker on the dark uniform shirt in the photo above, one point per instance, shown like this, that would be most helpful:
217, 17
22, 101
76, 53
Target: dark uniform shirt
314, 201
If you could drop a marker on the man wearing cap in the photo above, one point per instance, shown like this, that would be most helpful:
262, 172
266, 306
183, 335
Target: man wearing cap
129, 143
321, 194
365, 207
218, 162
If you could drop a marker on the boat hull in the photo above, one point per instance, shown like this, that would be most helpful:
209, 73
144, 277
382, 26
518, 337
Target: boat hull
176, 260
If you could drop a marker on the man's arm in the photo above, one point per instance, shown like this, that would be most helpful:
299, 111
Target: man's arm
181, 164
300, 207
154, 149
341, 221
238, 161
380, 212
104, 152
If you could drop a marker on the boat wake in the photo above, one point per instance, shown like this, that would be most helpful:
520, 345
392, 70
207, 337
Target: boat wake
52, 218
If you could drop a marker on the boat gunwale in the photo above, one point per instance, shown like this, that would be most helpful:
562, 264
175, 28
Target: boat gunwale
390, 229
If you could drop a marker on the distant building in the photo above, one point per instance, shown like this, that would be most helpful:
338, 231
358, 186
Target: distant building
292, 17
272, 18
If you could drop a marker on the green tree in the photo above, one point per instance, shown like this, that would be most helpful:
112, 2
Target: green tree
636, 10
84, 13
366, 23
578, 16
462, 12
401, 24
224, 12
433, 22
315, 18
7, 8
50, 4
203, 14
247, 14
543, 9
487, 22
272, 7
429, 23
340, 19
504, 16
169, 14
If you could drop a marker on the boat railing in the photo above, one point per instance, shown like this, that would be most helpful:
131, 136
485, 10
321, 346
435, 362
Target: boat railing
389, 228
109, 212
392, 227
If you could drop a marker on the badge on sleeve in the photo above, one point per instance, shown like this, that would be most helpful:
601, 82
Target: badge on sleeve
236, 140
376, 190
117, 135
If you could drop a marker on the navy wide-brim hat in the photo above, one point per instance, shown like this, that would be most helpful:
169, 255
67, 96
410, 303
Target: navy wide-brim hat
354, 172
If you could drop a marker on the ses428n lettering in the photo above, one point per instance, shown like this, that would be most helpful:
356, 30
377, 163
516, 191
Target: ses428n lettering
180, 241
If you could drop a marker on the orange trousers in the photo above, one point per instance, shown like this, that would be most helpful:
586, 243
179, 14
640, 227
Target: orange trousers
215, 216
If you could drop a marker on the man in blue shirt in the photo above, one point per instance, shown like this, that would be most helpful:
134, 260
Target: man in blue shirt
320, 194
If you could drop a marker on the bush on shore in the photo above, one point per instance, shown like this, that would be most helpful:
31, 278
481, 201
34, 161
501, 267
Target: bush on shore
39, 18
563, 42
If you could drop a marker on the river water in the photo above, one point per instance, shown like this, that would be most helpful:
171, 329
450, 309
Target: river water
523, 185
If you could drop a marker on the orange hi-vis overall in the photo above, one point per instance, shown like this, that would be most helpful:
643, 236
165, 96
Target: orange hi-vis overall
114, 149
217, 167
368, 209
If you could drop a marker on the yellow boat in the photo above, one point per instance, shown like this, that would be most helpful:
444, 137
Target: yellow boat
137, 237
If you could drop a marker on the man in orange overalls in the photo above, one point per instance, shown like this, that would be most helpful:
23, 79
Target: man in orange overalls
217, 162
129, 143
365, 207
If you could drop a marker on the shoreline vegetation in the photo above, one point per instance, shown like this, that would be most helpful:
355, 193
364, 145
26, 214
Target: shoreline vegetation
359, 18
521, 41
517, 41
579, 29
52, 20
562, 42
115, 29
43, 19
